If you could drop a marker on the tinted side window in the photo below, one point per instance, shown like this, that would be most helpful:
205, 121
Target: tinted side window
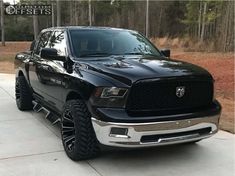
43, 41
58, 42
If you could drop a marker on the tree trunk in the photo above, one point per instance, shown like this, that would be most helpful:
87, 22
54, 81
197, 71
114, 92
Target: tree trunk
203, 22
2, 24
93, 14
199, 19
229, 27
76, 16
159, 23
58, 13
147, 19
89, 7
52, 15
71, 13
35, 26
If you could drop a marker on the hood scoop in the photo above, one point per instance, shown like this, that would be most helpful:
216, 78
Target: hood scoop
118, 64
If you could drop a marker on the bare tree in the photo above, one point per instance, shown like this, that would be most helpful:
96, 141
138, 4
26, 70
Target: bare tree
227, 27
199, 19
71, 12
52, 15
147, 19
159, 22
89, 7
58, 12
35, 26
2, 23
203, 21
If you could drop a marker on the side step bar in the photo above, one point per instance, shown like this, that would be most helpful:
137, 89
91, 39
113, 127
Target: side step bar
49, 115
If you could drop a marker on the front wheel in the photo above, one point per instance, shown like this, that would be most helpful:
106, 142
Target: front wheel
78, 136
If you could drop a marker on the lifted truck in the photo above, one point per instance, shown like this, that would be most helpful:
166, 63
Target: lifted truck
113, 87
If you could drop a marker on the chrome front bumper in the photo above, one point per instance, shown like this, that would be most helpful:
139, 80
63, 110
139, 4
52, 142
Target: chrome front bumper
166, 132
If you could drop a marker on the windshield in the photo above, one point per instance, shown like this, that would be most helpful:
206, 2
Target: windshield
89, 43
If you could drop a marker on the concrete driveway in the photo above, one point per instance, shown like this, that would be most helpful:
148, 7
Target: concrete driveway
31, 146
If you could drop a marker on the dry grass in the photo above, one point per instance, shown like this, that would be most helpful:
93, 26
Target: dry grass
8, 52
185, 44
7, 55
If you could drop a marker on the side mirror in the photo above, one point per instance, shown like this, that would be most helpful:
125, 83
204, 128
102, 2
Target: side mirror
51, 54
32, 45
166, 52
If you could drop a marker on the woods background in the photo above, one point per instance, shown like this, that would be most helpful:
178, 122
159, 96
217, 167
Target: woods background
202, 23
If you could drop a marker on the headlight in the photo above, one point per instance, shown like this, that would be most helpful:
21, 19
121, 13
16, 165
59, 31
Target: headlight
109, 97
113, 92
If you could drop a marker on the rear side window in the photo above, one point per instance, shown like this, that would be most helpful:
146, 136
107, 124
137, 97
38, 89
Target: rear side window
43, 41
57, 41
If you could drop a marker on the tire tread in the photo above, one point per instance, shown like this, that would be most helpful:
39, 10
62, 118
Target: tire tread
25, 102
86, 144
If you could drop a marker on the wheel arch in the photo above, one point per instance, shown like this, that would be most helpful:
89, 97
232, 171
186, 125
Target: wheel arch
23, 73
72, 95
20, 73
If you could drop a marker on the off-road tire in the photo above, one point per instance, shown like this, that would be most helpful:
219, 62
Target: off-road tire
23, 94
78, 136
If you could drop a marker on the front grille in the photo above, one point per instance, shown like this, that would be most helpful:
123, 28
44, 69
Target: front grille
149, 96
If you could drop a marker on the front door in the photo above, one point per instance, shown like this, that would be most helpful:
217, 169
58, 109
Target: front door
36, 63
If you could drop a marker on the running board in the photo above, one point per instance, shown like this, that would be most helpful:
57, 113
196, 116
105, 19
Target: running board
49, 116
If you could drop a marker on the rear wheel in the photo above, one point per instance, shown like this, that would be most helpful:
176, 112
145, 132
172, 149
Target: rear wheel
23, 94
78, 136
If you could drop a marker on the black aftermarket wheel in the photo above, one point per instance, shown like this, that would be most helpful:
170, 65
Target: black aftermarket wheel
78, 136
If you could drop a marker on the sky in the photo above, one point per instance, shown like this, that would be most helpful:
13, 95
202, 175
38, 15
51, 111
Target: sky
11, 1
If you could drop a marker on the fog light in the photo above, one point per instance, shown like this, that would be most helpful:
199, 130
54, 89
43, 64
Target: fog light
119, 132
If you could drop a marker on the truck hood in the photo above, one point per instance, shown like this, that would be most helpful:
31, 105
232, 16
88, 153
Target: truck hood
130, 69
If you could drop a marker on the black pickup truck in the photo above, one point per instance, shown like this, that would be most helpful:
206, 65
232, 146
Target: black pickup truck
113, 87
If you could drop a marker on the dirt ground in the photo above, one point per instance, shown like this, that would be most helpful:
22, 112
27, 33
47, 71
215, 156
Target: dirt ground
7, 55
221, 65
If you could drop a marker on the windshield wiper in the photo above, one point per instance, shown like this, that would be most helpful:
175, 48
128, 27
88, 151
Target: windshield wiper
95, 54
133, 53
140, 54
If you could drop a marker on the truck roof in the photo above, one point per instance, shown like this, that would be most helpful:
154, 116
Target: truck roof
88, 28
